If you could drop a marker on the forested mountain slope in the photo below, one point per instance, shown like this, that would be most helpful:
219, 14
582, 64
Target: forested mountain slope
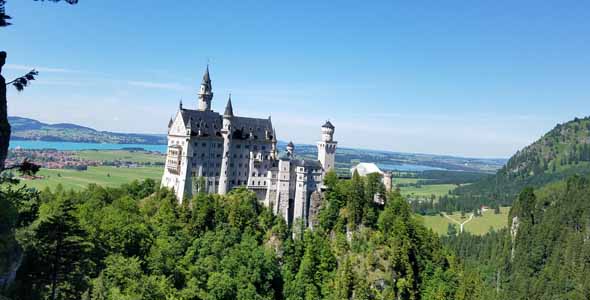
545, 252
562, 152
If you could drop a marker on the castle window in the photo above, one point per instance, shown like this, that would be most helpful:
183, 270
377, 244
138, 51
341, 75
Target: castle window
263, 147
238, 146
204, 144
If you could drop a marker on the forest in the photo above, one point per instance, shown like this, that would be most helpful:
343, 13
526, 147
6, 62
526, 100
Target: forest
135, 242
545, 252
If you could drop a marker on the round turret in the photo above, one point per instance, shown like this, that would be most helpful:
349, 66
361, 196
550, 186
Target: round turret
205, 92
327, 132
290, 148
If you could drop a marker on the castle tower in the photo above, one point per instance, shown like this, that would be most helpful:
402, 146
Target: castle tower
206, 92
274, 152
327, 147
387, 181
226, 132
290, 149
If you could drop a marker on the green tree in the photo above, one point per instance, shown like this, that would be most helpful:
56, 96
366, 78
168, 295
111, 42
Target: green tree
356, 200
58, 252
452, 230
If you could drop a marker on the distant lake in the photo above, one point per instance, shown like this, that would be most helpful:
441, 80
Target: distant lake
82, 146
406, 167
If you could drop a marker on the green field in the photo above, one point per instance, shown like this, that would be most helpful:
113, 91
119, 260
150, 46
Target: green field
121, 155
106, 176
405, 180
425, 191
479, 225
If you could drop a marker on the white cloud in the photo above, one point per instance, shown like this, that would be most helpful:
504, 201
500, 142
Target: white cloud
40, 69
158, 85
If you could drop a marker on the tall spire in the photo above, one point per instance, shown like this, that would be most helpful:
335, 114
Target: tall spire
206, 78
229, 110
206, 92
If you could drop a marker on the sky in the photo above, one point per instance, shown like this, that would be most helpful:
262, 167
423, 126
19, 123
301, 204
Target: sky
467, 78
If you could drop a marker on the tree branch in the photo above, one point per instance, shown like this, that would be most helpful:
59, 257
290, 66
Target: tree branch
21, 82
26, 167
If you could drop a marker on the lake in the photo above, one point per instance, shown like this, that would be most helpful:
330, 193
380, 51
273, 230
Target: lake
81, 146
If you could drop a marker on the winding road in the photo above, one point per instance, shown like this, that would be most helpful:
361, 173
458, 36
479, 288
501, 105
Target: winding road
460, 224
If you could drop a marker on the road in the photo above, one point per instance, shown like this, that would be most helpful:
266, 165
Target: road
460, 224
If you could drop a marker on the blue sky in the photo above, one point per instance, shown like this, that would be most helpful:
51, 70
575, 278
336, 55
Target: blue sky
472, 78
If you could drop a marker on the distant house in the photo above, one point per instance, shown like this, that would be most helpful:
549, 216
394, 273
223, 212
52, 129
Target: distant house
365, 169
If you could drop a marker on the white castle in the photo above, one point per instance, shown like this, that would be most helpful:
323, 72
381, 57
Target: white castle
228, 151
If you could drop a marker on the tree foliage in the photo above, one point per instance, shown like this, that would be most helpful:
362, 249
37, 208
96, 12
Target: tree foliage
136, 242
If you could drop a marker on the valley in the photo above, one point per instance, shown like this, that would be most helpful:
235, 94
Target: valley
112, 168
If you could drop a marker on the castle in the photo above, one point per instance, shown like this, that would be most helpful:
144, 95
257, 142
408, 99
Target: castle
215, 153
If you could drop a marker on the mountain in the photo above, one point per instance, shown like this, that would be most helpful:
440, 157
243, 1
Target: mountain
543, 254
560, 153
30, 129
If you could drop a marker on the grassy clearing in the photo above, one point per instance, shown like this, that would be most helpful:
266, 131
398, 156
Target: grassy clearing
122, 155
425, 191
106, 176
405, 180
479, 225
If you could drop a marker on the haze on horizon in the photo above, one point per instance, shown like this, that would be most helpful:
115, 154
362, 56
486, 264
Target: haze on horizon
467, 79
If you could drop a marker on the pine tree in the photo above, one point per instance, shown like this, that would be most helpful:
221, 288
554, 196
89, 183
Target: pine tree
60, 253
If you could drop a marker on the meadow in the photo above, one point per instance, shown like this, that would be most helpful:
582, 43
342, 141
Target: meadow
478, 225
426, 191
122, 155
102, 175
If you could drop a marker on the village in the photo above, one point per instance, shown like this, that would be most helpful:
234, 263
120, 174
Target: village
80, 160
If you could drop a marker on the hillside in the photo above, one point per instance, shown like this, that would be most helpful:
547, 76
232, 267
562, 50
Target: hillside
560, 153
543, 254
29, 129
